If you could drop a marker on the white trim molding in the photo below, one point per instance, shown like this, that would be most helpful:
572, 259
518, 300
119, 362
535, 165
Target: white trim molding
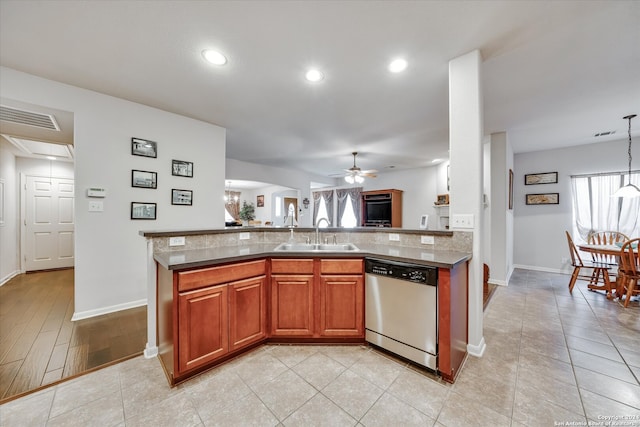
106, 310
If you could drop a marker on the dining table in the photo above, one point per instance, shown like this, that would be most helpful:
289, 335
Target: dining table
611, 250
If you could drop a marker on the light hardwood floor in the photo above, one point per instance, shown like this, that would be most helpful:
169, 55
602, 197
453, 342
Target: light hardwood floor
40, 345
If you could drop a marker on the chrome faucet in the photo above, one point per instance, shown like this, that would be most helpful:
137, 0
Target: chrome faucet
318, 228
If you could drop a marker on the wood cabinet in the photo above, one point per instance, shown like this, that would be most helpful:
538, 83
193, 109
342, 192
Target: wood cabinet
381, 208
207, 314
317, 298
292, 300
203, 327
247, 312
341, 291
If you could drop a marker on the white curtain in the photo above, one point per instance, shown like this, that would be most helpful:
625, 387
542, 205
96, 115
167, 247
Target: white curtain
595, 210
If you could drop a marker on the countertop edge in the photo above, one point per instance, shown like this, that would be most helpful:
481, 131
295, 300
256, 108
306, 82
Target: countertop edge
164, 258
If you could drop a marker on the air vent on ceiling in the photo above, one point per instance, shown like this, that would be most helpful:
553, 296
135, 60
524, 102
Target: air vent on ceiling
28, 118
607, 133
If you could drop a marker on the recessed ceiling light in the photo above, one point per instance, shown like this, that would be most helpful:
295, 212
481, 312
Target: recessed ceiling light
397, 65
436, 160
314, 75
214, 57
51, 158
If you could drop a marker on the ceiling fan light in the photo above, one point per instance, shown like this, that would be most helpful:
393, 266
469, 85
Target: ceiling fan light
349, 179
628, 190
359, 179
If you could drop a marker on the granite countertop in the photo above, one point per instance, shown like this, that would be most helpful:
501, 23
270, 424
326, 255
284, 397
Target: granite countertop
178, 260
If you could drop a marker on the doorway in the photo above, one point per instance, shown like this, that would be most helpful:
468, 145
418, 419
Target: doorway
291, 210
48, 223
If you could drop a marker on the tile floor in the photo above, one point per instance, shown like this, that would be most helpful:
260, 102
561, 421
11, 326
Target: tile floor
551, 359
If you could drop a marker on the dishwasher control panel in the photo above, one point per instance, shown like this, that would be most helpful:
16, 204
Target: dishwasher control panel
403, 271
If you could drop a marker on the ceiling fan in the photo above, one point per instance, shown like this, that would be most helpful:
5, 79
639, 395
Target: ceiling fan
357, 175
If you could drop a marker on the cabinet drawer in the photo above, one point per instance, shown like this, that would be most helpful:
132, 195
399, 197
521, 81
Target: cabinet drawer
340, 266
195, 279
292, 266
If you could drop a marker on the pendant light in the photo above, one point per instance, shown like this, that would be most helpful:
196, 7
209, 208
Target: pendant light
628, 190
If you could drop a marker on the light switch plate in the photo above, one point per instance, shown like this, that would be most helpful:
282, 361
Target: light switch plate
462, 221
177, 241
96, 206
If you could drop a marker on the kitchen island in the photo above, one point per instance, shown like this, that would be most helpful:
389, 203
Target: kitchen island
226, 291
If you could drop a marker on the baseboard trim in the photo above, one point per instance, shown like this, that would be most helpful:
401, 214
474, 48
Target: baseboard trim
150, 351
9, 276
80, 315
477, 350
544, 269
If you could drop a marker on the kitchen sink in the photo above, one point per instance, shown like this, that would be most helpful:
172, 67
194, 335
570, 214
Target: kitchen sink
311, 247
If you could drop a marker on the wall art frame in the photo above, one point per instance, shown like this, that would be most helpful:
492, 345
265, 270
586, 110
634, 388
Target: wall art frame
510, 189
260, 201
543, 199
143, 210
182, 168
144, 179
144, 147
181, 197
541, 178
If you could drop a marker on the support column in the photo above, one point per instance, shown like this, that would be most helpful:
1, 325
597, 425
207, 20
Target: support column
466, 155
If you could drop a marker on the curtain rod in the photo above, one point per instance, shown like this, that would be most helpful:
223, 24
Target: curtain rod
588, 175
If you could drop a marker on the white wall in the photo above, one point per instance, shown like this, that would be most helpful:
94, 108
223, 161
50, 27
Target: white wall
539, 239
110, 272
419, 188
9, 237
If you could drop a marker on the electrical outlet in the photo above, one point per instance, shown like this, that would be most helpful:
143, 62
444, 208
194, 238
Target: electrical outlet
244, 236
177, 241
462, 221
96, 206
394, 237
427, 240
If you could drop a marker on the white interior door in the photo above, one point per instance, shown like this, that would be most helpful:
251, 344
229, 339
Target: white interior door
49, 223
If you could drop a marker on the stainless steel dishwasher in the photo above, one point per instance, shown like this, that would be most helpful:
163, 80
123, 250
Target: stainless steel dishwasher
401, 310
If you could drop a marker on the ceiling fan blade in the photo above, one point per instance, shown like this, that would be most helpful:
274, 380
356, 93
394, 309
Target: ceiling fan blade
369, 175
368, 171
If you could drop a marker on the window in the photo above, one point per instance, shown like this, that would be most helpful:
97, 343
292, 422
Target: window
595, 210
348, 219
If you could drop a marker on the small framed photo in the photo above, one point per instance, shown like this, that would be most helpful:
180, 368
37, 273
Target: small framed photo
143, 147
541, 178
182, 168
510, 189
144, 179
260, 201
181, 197
143, 210
543, 199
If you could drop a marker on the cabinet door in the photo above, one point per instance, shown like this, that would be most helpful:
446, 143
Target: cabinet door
292, 305
342, 306
247, 312
203, 326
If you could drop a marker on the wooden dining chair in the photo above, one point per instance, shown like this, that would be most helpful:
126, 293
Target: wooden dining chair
608, 238
597, 270
630, 271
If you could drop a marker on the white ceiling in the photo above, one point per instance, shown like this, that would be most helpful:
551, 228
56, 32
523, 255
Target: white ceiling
554, 72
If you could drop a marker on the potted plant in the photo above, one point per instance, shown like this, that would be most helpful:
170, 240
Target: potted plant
247, 212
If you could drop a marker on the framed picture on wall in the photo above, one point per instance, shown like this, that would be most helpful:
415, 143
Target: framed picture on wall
144, 148
543, 199
143, 210
260, 201
144, 179
541, 178
182, 168
510, 189
181, 197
